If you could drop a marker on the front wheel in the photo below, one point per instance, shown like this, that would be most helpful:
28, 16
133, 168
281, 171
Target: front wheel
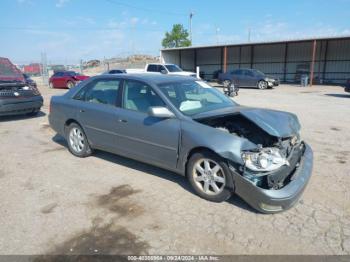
262, 84
209, 176
78, 144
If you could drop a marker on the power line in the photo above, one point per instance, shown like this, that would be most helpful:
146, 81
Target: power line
164, 12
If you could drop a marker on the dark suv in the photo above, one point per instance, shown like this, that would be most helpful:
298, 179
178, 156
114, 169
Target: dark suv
248, 78
16, 97
347, 86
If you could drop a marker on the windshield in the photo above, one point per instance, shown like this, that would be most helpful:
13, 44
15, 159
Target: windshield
194, 97
173, 68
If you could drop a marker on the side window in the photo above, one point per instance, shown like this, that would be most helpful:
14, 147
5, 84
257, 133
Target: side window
249, 73
152, 68
58, 74
160, 68
101, 92
139, 97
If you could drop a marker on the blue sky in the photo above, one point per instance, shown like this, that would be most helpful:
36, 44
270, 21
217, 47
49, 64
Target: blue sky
70, 30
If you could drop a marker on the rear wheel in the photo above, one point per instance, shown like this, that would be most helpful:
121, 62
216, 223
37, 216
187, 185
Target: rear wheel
262, 84
78, 144
70, 84
210, 176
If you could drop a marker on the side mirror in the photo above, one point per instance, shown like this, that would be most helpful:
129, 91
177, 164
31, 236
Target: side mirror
163, 71
160, 112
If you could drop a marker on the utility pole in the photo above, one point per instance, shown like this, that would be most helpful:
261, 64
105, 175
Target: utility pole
217, 29
191, 15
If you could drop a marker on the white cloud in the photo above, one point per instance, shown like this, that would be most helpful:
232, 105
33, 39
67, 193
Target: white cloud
61, 3
134, 20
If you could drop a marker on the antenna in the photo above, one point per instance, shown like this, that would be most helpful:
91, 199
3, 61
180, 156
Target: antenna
191, 15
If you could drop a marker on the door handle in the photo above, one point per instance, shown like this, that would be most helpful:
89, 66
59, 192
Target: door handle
81, 110
122, 120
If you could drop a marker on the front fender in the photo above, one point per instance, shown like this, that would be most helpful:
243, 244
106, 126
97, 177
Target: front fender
195, 135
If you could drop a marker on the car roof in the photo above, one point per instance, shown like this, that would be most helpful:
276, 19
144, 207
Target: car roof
149, 77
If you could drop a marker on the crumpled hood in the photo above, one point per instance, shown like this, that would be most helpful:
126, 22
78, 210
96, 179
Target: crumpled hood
275, 123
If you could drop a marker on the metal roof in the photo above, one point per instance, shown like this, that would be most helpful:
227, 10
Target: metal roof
260, 43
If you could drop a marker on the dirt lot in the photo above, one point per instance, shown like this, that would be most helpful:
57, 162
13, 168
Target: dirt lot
53, 202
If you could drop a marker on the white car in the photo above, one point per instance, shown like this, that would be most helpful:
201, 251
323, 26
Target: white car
170, 69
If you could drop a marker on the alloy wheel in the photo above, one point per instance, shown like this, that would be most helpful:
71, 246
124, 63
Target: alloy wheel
209, 177
76, 140
262, 85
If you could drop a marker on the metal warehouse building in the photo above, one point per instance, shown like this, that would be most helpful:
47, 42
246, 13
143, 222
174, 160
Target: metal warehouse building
326, 60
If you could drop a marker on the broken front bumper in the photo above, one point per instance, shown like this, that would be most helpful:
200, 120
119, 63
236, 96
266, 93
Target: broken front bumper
19, 106
272, 201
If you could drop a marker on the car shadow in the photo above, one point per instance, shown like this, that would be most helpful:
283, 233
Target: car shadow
20, 117
339, 95
154, 171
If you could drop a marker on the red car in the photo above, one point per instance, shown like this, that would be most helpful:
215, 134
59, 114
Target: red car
66, 79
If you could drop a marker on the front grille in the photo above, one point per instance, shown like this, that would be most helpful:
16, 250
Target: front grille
14, 93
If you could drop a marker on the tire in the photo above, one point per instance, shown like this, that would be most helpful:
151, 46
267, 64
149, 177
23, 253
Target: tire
262, 84
34, 112
70, 84
51, 85
77, 142
203, 178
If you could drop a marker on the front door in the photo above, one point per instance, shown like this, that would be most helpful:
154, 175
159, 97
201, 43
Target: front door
149, 139
250, 79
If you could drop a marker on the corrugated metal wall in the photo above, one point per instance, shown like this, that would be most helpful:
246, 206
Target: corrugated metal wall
285, 60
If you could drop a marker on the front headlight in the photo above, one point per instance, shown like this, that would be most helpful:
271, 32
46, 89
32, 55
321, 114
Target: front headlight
267, 159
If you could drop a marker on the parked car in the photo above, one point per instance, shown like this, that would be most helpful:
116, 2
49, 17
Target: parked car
249, 78
186, 126
17, 98
347, 86
66, 79
170, 69
29, 82
115, 71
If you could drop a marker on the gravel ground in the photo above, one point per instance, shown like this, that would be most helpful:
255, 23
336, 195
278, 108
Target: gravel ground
55, 203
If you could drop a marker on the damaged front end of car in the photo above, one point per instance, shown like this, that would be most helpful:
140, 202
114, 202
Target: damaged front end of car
276, 161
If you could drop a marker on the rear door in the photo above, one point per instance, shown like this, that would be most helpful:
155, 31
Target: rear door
98, 112
249, 78
149, 139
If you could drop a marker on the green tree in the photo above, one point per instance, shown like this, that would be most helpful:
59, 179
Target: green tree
178, 37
